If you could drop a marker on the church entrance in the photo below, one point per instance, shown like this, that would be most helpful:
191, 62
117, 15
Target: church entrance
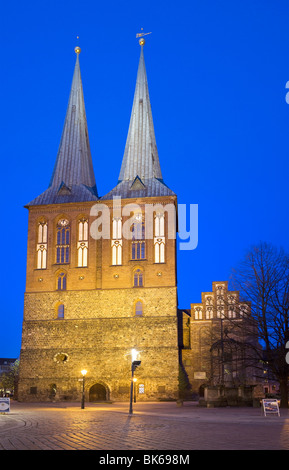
97, 393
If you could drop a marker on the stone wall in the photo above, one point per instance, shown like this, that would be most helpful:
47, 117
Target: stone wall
98, 332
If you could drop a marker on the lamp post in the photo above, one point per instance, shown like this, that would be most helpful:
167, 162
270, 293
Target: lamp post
83, 372
134, 389
134, 365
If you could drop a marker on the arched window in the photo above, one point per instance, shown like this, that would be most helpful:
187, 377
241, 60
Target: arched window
62, 241
138, 238
159, 238
209, 307
138, 278
61, 281
159, 250
198, 313
82, 243
60, 311
116, 242
41, 248
138, 308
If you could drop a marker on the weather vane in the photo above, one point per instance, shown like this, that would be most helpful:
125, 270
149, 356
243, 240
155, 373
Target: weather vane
141, 36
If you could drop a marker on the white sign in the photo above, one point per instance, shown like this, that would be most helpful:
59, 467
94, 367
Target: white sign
4, 405
270, 406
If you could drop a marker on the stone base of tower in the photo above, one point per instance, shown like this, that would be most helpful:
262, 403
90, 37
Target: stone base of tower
97, 333
97, 390
108, 379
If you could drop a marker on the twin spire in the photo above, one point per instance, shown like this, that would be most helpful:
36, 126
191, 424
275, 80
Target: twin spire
73, 177
141, 154
73, 164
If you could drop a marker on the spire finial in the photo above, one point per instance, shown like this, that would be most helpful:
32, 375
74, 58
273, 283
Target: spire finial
141, 36
77, 49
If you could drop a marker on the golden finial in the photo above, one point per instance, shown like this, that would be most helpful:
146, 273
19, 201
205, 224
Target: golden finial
140, 35
77, 50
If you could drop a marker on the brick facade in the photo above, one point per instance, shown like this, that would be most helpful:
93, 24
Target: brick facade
99, 326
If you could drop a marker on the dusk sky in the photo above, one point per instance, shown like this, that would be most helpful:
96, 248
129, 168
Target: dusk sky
217, 74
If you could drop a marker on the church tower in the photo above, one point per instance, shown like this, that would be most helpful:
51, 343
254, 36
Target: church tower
101, 271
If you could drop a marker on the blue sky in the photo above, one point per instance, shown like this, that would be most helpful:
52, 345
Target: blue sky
217, 73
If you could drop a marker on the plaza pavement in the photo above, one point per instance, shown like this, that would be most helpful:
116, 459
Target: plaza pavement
153, 426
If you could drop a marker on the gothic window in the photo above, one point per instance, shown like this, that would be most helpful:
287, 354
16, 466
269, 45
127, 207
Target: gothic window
116, 242
159, 238
209, 300
220, 311
243, 310
82, 243
209, 308
61, 281
231, 311
41, 248
138, 278
138, 309
198, 313
138, 238
116, 228
220, 300
60, 311
62, 241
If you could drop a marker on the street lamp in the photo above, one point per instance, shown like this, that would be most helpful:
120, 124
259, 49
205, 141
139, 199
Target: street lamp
83, 372
134, 365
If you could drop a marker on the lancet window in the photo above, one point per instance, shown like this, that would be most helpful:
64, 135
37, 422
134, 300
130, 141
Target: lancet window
41, 248
62, 241
159, 238
138, 238
209, 307
138, 309
82, 243
61, 281
116, 242
138, 278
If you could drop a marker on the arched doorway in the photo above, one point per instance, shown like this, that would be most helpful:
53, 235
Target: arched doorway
97, 393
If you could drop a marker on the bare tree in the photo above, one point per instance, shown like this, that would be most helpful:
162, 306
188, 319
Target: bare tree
262, 278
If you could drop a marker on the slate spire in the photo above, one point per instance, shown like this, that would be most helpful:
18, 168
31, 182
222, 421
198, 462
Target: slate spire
140, 173
73, 176
74, 164
141, 155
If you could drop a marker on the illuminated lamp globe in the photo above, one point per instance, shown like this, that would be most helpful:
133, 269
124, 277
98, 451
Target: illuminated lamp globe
77, 50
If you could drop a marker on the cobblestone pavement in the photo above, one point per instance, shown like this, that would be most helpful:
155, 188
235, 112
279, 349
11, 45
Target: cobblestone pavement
153, 426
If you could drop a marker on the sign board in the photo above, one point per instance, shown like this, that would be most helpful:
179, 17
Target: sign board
4, 405
200, 375
270, 406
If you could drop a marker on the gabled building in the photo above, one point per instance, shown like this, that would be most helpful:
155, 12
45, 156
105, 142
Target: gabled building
218, 341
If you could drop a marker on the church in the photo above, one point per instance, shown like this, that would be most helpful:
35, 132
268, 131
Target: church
101, 285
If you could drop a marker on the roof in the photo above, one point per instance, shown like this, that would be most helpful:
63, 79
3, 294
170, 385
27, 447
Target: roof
151, 187
73, 176
63, 194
